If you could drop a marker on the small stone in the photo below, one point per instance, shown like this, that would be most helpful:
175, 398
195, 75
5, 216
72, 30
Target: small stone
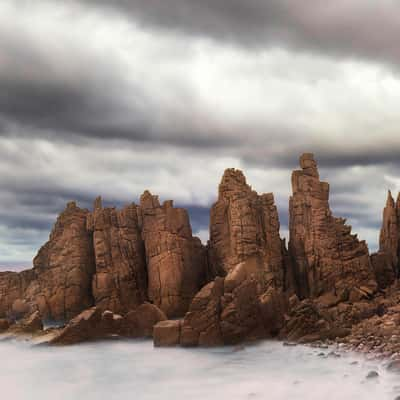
372, 375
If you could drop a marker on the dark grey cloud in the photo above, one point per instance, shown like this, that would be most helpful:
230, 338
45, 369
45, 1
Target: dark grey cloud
355, 29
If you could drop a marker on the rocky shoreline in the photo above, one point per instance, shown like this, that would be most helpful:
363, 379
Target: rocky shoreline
139, 272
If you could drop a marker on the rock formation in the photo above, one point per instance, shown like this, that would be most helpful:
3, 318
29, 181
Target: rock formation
328, 258
386, 262
245, 225
64, 267
59, 285
248, 301
176, 261
13, 286
93, 324
120, 281
101, 270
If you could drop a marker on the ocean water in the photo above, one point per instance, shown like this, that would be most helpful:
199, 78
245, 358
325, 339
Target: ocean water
122, 370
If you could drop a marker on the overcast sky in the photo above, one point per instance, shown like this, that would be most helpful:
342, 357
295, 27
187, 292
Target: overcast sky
111, 98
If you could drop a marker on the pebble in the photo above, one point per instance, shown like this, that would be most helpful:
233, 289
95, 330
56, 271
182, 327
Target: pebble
372, 375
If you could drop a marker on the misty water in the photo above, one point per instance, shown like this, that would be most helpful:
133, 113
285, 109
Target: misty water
135, 370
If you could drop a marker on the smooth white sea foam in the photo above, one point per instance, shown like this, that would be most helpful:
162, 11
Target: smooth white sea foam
122, 370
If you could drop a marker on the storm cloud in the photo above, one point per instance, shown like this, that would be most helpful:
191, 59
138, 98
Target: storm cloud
356, 28
113, 98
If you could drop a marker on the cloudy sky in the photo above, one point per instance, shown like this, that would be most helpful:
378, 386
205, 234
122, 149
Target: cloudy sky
111, 98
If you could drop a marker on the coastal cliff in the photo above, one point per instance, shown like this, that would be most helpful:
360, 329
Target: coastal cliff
125, 272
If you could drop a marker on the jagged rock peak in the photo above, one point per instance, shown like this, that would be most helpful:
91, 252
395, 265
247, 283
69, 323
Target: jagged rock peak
386, 261
233, 183
398, 201
147, 200
245, 225
308, 164
327, 256
98, 203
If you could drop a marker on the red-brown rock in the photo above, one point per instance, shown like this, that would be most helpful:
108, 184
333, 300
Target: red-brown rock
4, 324
13, 286
386, 262
64, 268
245, 225
120, 282
59, 285
176, 261
327, 256
85, 326
141, 321
167, 333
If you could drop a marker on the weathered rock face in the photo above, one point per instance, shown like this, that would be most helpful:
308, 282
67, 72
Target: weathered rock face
120, 281
93, 324
249, 300
85, 326
59, 285
13, 286
327, 256
386, 261
235, 308
64, 268
245, 225
176, 261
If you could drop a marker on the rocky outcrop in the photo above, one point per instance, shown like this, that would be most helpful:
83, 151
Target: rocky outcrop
85, 326
235, 308
59, 285
245, 225
64, 268
124, 272
327, 257
13, 287
93, 324
31, 324
249, 299
386, 261
176, 261
120, 281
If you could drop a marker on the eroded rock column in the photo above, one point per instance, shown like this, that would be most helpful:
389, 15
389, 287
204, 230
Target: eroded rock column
327, 256
176, 261
120, 281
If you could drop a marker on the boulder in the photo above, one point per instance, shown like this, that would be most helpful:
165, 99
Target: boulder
31, 324
167, 333
141, 321
4, 324
85, 326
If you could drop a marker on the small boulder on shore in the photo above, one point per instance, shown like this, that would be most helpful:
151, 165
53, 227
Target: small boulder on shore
92, 324
167, 333
4, 324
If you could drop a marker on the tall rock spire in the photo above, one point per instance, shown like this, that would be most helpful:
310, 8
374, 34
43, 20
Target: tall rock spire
244, 224
249, 298
386, 260
120, 281
327, 256
176, 260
